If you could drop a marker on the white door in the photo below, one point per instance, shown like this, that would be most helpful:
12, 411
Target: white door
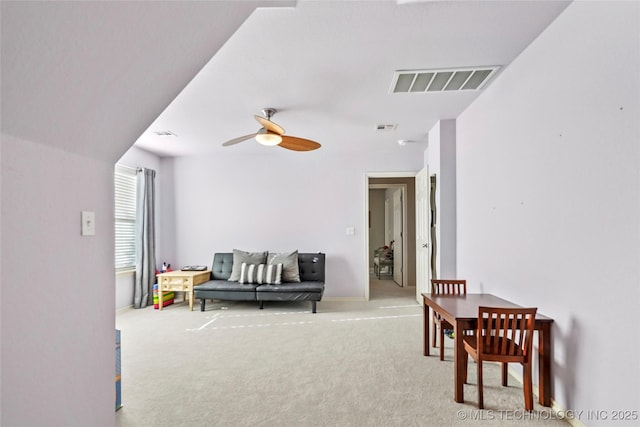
388, 225
397, 237
422, 234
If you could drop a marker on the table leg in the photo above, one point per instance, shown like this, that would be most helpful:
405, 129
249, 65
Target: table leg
458, 360
159, 297
427, 326
544, 364
191, 299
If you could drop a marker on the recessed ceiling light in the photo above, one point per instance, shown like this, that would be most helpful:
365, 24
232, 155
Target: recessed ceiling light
403, 142
164, 133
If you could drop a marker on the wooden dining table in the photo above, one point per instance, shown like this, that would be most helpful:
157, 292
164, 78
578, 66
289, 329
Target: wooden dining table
461, 311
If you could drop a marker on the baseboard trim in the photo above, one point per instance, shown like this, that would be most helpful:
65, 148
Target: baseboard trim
343, 299
126, 307
328, 299
558, 410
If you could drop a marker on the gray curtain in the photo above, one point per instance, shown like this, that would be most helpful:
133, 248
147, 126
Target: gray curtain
145, 239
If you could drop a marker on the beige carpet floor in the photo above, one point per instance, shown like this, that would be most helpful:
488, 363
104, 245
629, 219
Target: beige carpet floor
350, 364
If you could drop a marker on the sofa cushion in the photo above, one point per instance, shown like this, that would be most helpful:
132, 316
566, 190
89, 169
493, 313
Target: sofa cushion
311, 266
309, 287
222, 266
261, 273
249, 257
289, 260
223, 285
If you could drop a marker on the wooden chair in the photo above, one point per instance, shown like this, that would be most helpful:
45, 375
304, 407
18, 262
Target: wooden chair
504, 335
445, 287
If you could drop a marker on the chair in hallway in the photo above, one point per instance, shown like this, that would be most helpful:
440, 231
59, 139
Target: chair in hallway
445, 287
383, 258
504, 335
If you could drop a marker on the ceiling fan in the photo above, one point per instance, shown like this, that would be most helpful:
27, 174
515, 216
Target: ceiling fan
273, 134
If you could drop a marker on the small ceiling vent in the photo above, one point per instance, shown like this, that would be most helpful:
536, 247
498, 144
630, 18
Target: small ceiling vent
165, 133
458, 79
383, 127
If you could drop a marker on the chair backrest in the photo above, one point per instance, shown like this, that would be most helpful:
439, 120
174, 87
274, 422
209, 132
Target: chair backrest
448, 287
505, 333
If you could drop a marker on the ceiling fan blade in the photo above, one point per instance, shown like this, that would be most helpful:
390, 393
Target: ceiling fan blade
238, 139
298, 144
269, 125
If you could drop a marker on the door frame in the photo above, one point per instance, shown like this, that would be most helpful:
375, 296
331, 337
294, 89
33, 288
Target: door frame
365, 252
423, 220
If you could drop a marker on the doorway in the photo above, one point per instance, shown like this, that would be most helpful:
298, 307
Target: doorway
399, 188
387, 231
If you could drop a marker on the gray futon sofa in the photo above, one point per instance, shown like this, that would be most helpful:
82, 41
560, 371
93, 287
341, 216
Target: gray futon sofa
310, 288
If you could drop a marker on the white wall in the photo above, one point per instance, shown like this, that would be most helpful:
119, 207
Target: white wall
280, 201
57, 317
441, 155
549, 197
166, 232
135, 157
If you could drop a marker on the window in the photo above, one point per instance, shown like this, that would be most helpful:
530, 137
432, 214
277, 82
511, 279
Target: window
125, 183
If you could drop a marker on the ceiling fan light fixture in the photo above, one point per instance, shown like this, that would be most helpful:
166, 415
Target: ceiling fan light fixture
272, 134
268, 138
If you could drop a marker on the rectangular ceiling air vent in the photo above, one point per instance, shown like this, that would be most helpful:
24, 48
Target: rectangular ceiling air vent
458, 79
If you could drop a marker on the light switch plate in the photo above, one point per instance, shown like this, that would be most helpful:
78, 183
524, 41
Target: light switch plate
88, 223
351, 231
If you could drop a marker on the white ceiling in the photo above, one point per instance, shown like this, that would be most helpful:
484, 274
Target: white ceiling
93, 77
327, 66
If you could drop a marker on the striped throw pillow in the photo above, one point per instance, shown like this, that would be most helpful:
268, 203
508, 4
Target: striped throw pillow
261, 274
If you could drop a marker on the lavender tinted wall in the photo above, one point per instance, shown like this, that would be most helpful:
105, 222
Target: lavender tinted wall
549, 197
57, 288
281, 201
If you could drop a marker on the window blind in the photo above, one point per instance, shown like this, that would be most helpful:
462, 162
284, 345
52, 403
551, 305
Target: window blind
125, 183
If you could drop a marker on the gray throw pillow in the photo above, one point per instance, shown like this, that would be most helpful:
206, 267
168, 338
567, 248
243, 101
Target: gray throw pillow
249, 257
289, 260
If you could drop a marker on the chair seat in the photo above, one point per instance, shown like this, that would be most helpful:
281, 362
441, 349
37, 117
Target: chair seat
470, 343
